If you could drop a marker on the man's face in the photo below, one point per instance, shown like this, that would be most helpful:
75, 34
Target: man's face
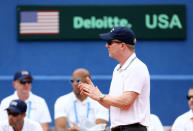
114, 47
76, 78
23, 86
15, 118
190, 101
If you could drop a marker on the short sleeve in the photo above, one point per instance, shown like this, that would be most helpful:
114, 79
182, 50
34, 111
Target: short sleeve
101, 112
3, 113
30, 125
45, 114
37, 127
59, 109
134, 79
179, 124
155, 123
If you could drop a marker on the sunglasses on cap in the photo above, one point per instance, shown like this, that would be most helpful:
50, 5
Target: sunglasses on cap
77, 80
12, 113
113, 41
189, 97
23, 82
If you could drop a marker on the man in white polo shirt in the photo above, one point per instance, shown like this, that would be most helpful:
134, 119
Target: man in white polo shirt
76, 112
16, 118
37, 108
185, 121
129, 96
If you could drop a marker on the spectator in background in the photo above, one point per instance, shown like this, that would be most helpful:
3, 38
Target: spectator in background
185, 121
37, 108
155, 123
16, 122
77, 112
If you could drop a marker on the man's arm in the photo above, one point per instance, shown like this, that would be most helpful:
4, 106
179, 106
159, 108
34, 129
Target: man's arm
44, 117
60, 124
123, 101
45, 126
105, 105
101, 121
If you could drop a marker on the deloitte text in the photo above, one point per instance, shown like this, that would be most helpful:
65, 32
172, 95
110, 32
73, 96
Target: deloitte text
99, 23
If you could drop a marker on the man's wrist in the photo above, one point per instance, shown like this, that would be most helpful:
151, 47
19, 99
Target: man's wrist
101, 97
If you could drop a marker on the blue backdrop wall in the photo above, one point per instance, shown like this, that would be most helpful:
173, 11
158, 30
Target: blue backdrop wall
170, 62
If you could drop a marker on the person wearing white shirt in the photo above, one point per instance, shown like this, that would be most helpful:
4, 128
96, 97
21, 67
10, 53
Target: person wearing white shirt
155, 123
16, 118
185, 121
129, 96
37, 108
76, 112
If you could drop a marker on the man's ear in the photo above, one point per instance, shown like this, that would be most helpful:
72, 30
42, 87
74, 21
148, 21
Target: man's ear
14, 84
24, 114
124, 45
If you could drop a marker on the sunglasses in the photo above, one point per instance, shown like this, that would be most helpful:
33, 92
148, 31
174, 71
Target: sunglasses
23, 82
113, 41
77, 80
12, 113
189, 97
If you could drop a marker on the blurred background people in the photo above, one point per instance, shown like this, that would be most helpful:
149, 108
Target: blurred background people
77, 112
16, 118
185, 121
37, 108
155, 123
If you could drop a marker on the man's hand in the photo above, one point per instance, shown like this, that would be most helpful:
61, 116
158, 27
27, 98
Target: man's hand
74, 128
88, 89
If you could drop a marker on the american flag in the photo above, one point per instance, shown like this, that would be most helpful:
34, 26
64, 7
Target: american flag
39, 22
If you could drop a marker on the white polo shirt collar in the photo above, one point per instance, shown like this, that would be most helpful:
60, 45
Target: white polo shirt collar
77, 100
127, 63
29, 98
